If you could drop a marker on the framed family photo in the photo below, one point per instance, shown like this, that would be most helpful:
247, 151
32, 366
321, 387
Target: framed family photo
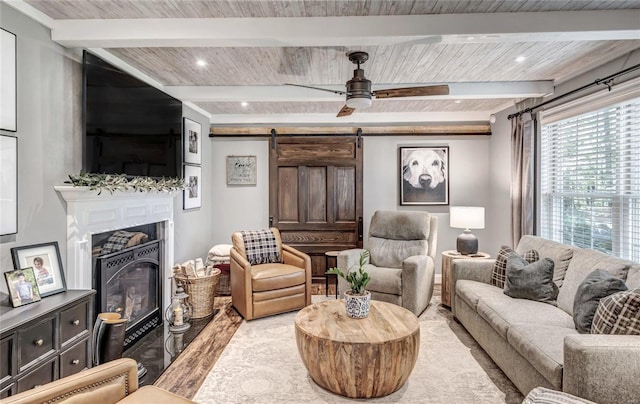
44, 259
192, 141
424, 175
193, 191
22, 286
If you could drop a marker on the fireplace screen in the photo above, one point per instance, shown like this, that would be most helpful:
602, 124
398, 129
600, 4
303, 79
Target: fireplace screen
128, 282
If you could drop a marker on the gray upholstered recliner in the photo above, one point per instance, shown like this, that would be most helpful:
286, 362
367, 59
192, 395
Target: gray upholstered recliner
402, 261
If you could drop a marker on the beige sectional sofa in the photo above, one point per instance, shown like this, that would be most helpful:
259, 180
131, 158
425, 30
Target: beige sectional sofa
536, 344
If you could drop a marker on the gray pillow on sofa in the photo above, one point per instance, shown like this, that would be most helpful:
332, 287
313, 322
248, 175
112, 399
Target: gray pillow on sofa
597, 285
533, 281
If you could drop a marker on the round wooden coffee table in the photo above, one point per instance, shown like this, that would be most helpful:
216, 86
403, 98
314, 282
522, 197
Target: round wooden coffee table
358, 358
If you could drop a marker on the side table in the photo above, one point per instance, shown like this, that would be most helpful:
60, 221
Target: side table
447, 262
327, 256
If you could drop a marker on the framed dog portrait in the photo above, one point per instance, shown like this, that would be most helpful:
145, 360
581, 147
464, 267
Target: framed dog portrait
424, 175
22, 286
45, 261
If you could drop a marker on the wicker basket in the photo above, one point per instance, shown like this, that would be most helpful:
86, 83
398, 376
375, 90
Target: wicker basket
224, 283
202, 291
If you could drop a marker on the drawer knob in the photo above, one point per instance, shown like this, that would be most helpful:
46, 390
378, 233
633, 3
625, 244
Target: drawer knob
75, 361
75, 322
39, 342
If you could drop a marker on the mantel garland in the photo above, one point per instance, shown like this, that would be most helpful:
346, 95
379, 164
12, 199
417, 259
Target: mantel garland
120, 182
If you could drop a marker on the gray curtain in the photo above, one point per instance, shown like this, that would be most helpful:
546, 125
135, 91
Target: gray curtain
523, 132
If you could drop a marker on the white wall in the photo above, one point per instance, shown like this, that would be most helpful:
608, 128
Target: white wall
238, 208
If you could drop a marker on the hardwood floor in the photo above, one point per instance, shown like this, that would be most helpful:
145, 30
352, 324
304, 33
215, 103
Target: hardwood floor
187, 373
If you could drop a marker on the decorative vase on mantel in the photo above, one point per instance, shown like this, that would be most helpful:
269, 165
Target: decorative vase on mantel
357, 300
357, 305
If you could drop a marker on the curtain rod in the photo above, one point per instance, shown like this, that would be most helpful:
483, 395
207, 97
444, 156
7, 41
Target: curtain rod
607, 81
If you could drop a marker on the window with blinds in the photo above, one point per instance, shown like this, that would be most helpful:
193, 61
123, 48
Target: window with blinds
590, 179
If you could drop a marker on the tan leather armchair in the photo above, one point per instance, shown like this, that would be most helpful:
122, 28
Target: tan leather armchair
112, 382
266, 289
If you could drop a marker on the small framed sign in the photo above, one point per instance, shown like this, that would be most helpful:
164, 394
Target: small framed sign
241, 170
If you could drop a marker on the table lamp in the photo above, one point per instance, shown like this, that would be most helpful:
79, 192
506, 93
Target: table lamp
466, 217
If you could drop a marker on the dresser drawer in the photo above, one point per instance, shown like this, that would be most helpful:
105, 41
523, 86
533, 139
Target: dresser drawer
7, 359
36, 341
74, 321
43, 374
74, 359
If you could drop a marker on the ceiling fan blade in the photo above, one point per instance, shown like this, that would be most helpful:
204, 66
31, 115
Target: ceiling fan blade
345, 111
412, 91
317, 88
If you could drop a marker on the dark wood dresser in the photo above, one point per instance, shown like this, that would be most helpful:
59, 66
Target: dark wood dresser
45, 340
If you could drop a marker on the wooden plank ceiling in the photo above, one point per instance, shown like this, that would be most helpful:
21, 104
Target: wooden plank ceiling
239, 73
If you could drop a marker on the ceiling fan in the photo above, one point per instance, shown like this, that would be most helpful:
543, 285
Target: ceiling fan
359, 92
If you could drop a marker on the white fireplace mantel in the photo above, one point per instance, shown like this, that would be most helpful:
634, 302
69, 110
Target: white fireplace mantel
89, 213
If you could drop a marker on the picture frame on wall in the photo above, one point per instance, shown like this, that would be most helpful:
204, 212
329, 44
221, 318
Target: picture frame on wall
22, 286
8, 80
192, 194
8, 185
424, 175
45, 261
241, 170
192, 141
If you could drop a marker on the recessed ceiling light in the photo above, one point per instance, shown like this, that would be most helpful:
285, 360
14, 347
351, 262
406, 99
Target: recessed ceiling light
201, 63
244, 104
520, 59
457, 101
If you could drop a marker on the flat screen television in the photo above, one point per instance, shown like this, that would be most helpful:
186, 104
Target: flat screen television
130, 126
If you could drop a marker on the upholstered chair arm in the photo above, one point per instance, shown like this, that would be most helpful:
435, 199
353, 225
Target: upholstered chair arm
295, 257
602, 368
347, 259
240, 278
107, 383
418, 274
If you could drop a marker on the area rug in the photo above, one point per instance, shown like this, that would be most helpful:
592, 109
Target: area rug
261, 364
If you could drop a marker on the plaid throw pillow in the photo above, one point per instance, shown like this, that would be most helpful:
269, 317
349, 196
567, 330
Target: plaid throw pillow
261, 246
117, 241
618, 313
500, 267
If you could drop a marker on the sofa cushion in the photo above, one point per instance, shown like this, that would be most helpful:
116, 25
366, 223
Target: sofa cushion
276, 276
595, 286
618, 313
502, 312
472, 291
561, 254
633, 277
543, 346
533, 281
500, 266
584, 262
385, 280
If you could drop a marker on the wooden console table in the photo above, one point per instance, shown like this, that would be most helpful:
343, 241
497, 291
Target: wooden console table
358, 358
447, 262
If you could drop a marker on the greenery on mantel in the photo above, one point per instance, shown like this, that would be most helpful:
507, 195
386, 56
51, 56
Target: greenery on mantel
120, 182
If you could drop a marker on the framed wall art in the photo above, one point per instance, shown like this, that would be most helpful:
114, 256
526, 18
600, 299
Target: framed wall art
424, 175
241, 170
192, 193
8, 185
46, 263
192, 141
22, 286
8, 89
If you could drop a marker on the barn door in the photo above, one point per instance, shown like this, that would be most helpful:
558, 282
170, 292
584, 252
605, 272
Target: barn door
315, 194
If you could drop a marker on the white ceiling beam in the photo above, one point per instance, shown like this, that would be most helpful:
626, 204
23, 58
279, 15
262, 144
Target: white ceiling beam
348, 31
396, 118
469, 90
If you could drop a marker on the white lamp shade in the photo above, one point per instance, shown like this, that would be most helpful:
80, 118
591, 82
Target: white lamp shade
466, 217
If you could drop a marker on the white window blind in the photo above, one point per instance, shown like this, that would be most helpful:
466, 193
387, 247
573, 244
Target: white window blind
590, 179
